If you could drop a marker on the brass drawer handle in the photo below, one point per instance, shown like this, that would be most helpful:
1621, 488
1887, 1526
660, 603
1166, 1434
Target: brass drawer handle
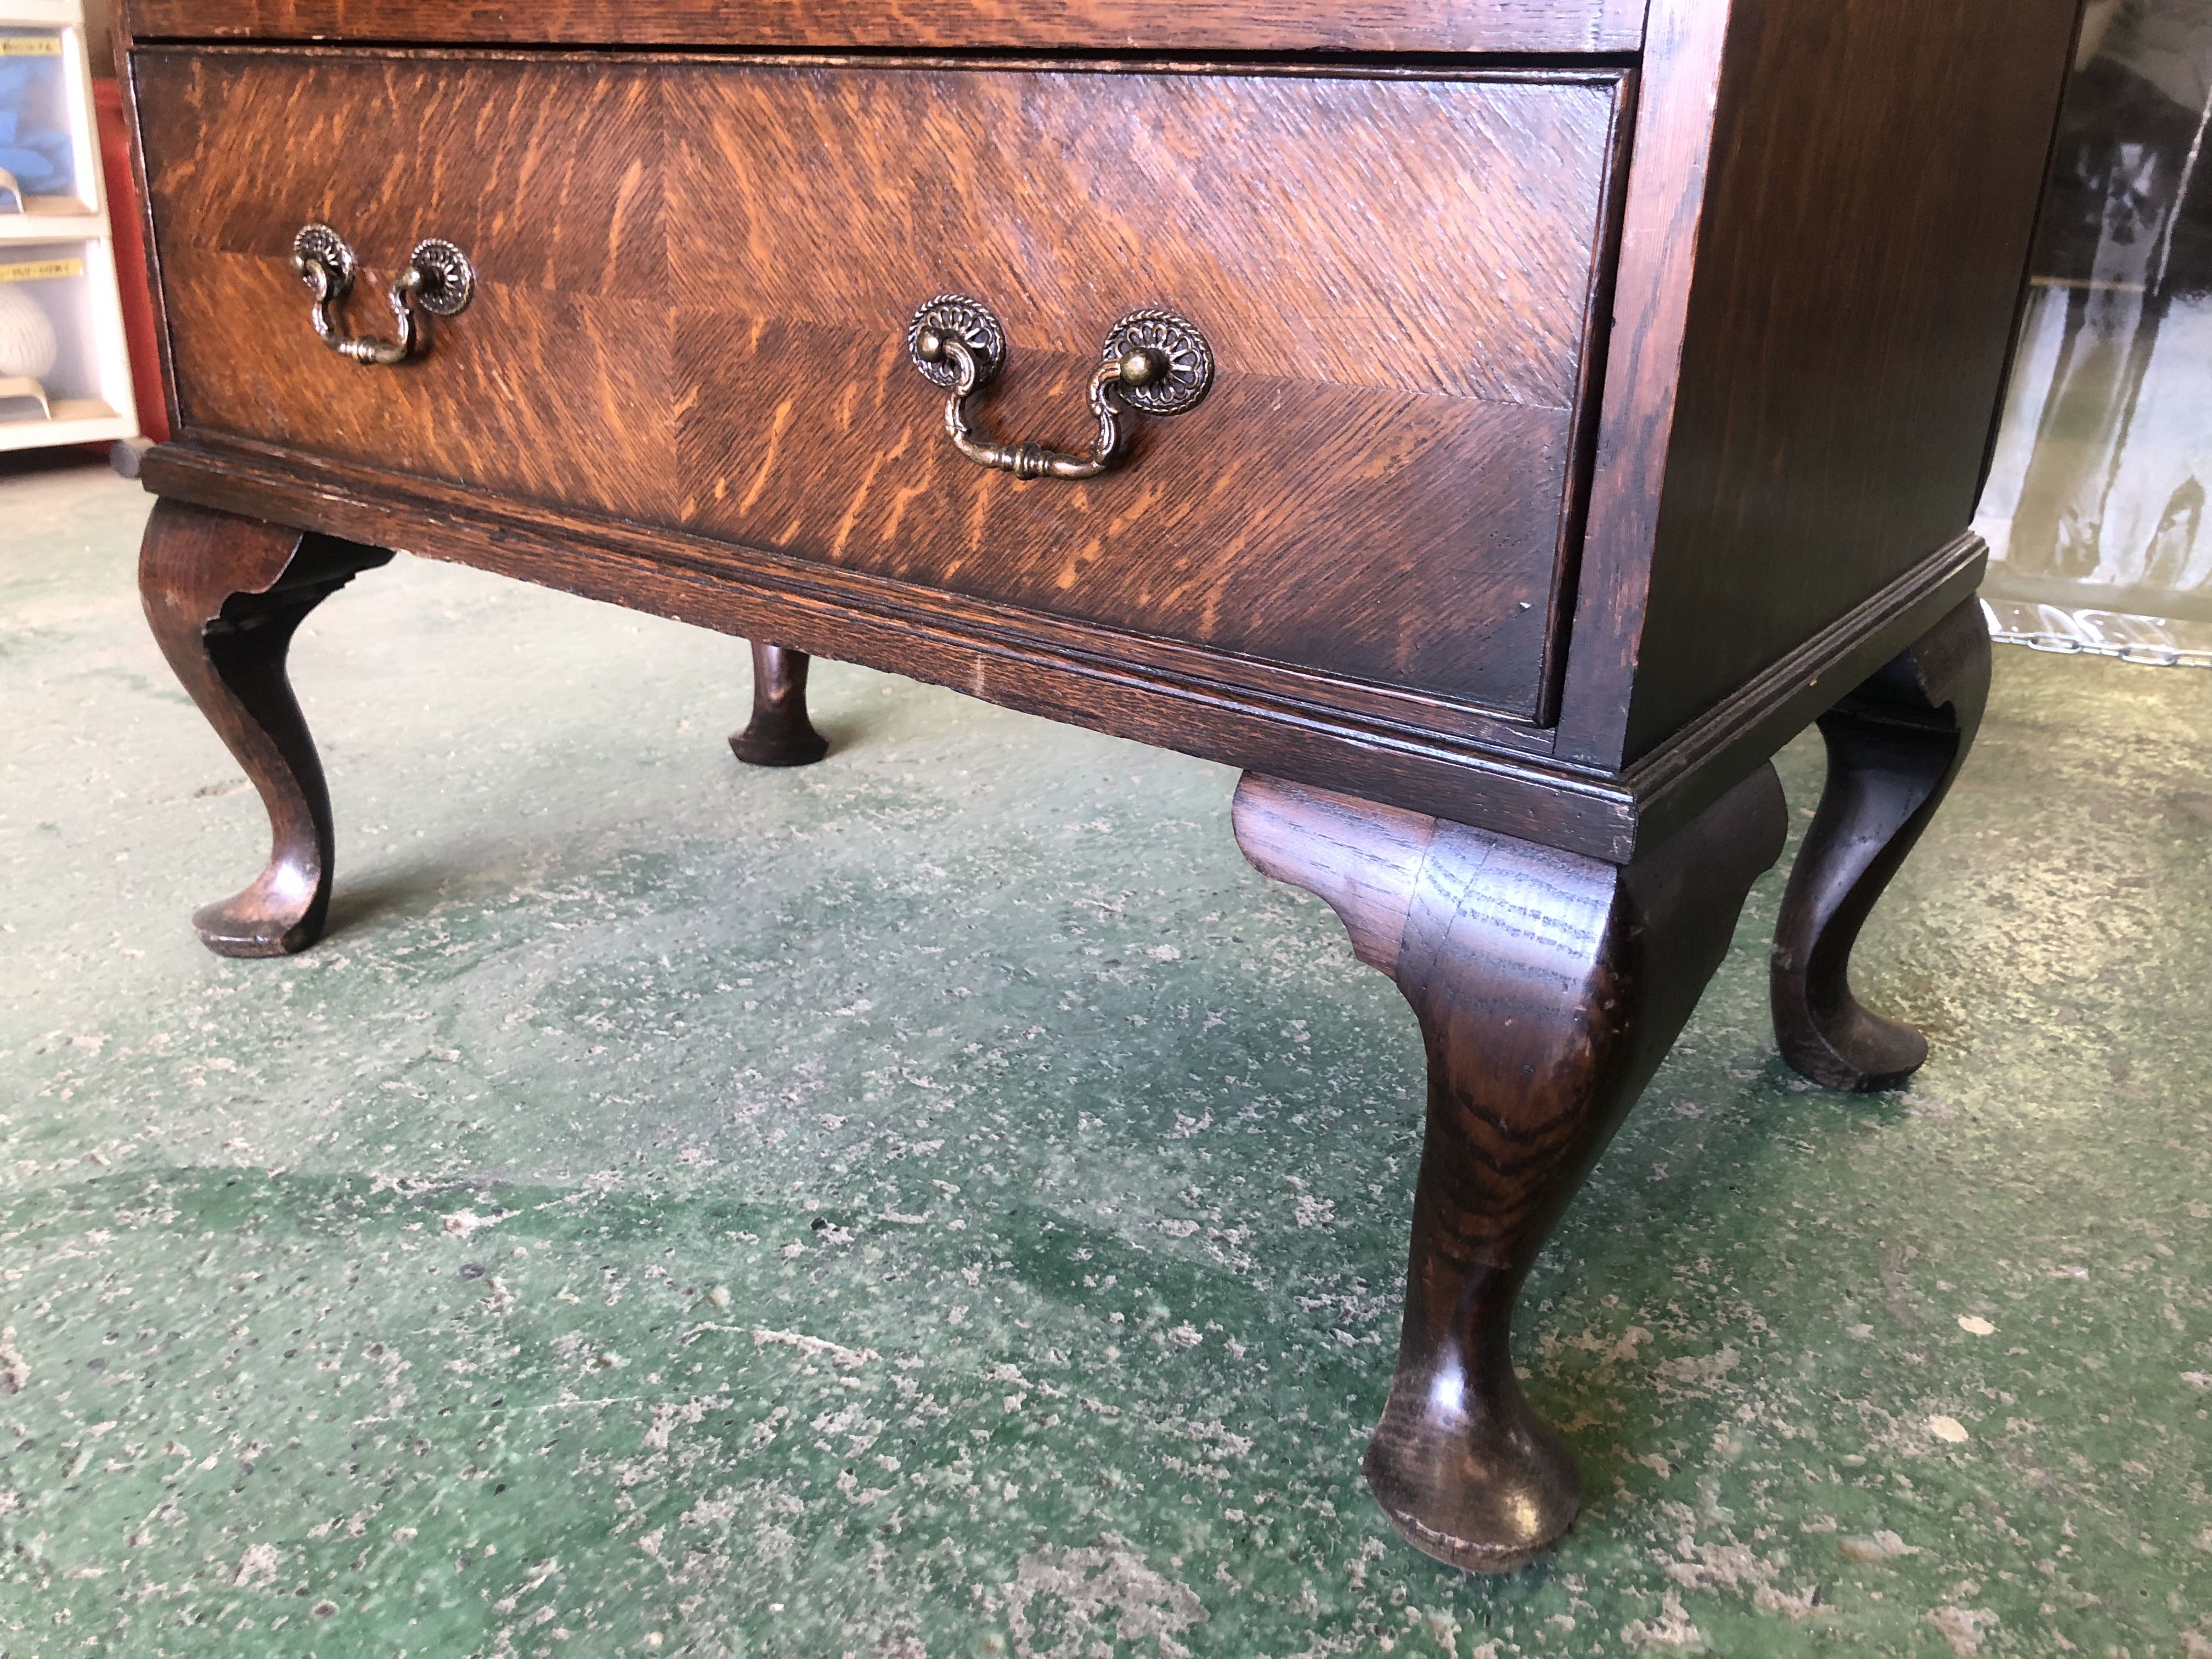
439, 278
1154, 361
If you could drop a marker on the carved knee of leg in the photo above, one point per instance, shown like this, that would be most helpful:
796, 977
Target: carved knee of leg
224, 595
1548, 986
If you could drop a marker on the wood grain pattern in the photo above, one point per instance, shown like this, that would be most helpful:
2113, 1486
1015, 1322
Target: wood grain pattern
1457, 26
223, 596
555, 385
1383, 502
1685, 774
1548, 989
1894, 746
1387, 746
1423, 236
682, 389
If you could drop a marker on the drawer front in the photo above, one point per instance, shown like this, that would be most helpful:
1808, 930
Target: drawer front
695, 279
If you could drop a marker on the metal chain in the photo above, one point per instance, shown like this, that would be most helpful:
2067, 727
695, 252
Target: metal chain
2147, 641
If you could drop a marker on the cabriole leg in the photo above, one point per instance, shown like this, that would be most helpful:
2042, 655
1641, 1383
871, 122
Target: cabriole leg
224, 595
1548, 986
1894, 746
779, 733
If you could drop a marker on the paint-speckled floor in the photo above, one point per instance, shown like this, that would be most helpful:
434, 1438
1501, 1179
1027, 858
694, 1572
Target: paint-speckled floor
942, 1202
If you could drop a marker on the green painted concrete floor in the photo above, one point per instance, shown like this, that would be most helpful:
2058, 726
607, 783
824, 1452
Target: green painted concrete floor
942, 1202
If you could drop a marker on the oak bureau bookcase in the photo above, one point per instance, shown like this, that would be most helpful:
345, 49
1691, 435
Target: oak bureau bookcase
1495, 426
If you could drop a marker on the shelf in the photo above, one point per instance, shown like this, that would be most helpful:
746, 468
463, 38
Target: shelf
60, 308
60, 324
52, 219
42, 14
75, 421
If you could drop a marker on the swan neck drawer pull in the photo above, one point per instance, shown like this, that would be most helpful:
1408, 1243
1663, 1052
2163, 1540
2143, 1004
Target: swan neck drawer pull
439, 278
1154, 362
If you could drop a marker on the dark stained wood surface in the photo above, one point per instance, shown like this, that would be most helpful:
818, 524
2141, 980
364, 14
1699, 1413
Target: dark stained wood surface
1660, 227
1548, 988
1395, 276
1876, 168
1894, 746
1456, 26
223, 596
555, 385
1679, 779
779, 733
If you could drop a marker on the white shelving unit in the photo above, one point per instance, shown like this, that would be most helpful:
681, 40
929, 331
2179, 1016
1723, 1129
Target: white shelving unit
59, 253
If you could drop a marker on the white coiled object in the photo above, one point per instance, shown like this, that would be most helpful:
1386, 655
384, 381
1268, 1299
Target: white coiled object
28, 345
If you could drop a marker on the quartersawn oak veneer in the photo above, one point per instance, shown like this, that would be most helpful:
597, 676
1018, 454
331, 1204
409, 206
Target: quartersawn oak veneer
717, 344
1584, 426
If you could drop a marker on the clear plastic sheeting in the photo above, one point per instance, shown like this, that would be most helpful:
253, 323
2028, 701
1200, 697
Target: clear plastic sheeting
2096, 505
2155, 642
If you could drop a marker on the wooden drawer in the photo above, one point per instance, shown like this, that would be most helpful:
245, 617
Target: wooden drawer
695, 276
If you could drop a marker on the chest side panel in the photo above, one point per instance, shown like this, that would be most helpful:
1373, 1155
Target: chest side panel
1866, 231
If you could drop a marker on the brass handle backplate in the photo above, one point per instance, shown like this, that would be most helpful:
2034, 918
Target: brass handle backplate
1154, 363
439, 278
